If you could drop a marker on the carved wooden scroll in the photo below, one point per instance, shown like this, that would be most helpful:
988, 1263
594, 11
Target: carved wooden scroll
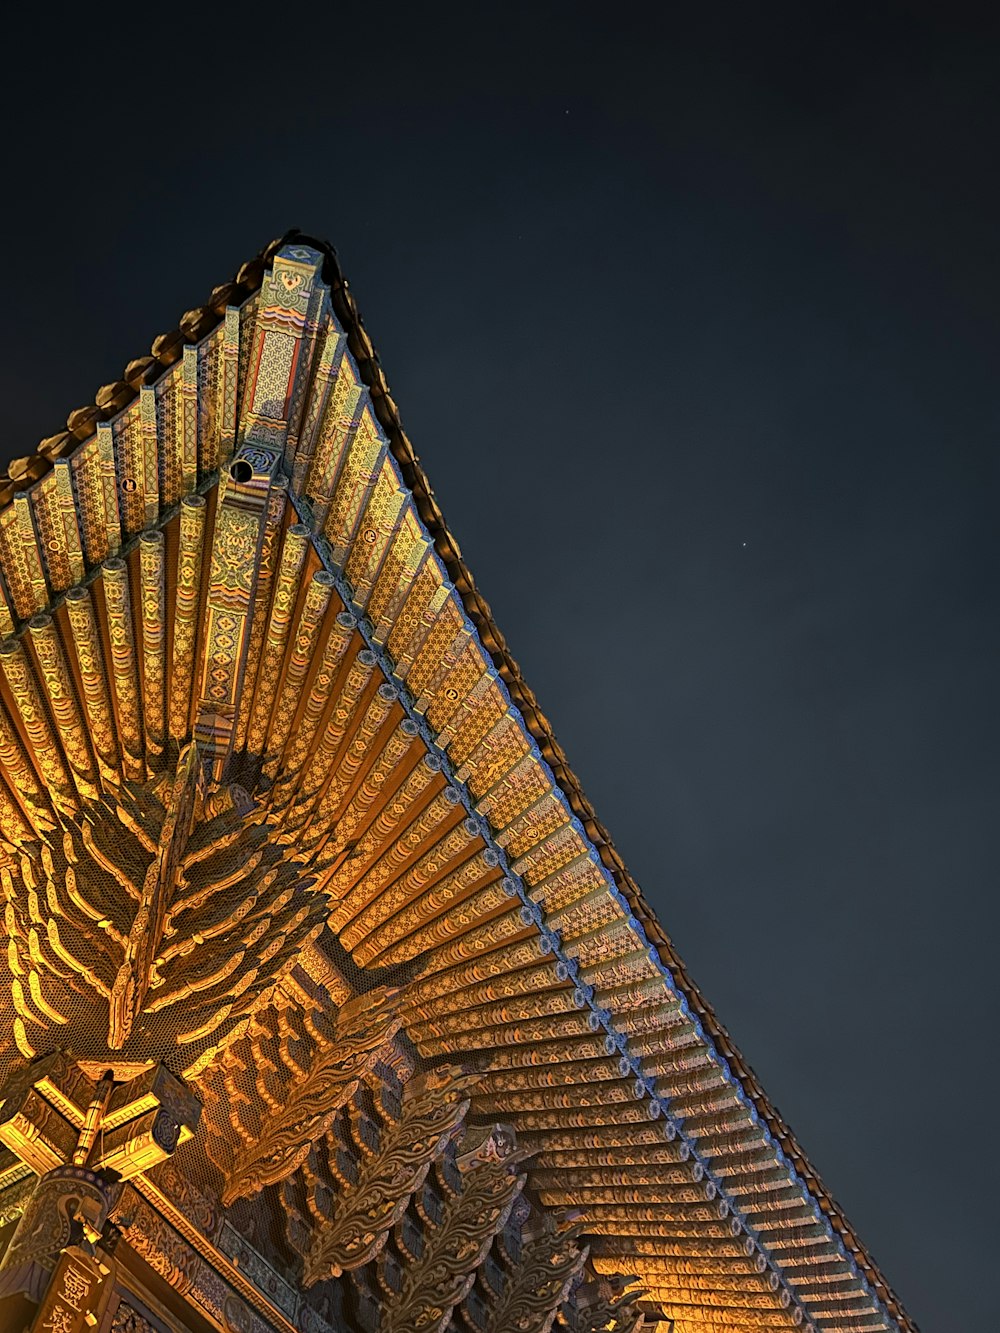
432, 1108
434, 1283
305, 1112
535, 1289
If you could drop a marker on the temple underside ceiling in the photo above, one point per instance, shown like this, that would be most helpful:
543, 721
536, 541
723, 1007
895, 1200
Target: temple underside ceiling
305, 935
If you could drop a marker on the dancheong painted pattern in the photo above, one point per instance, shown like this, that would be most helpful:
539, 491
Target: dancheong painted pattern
325, 999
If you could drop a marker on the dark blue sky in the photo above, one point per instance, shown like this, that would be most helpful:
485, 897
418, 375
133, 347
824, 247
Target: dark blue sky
693, 322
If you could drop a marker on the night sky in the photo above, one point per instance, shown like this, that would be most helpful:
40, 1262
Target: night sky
693, 323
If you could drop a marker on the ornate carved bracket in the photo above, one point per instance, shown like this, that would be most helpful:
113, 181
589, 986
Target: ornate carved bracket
282, 1136
53, 1114
433, 1106
441, 1274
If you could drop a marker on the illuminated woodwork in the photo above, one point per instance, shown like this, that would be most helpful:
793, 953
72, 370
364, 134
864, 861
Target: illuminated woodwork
325, 1000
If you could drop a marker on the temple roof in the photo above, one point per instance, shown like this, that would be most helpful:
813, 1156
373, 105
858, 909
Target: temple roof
229, 580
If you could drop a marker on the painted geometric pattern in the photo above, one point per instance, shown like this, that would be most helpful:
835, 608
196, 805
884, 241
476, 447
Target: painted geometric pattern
241, 622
